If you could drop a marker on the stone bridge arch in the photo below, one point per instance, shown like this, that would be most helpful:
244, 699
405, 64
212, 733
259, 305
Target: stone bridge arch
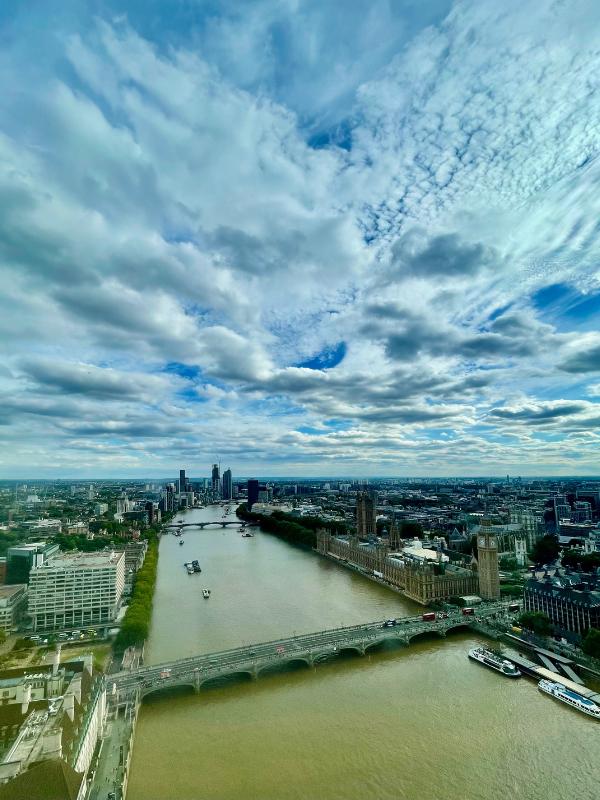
214, 681
387, 637
166, 687
427, 633
274, 667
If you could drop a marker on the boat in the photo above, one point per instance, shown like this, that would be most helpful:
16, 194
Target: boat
494, 661
181, 541
571, 698
206, 593
190, 569
247, 535
196, 566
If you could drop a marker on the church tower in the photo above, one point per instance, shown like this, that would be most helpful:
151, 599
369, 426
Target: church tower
487, 563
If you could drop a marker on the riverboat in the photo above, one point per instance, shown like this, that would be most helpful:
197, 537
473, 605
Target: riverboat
181, 541
206, 593
190, 569
494, 661
571, 698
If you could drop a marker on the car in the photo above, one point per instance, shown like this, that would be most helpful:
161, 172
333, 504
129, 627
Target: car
389, 623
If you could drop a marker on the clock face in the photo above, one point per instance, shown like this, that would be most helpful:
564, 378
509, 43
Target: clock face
482, 541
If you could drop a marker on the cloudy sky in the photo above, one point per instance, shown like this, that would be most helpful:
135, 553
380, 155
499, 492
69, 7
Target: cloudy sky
305, 238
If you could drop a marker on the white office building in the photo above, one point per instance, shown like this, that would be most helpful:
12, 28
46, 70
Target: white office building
73, 590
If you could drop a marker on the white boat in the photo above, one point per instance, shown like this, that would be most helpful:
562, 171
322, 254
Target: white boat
190, 569
571, 698
494, 661
206, 593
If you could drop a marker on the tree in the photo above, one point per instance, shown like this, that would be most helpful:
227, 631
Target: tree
588, 562
536, 621
545, 550
410, 530
591, 643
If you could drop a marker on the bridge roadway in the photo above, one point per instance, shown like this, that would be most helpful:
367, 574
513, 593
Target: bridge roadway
308, 648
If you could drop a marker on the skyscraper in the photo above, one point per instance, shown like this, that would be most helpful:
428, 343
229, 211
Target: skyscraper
487, 563
365, 515
253, 488
216, 481
227, 489
182, 481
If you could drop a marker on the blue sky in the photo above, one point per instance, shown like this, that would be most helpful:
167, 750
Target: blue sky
307, 238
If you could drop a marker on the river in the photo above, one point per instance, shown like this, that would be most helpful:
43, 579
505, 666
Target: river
422, 722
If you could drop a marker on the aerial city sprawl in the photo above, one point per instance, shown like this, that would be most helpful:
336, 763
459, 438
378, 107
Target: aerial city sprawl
514, 562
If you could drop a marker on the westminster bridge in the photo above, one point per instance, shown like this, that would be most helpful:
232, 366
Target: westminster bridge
309, 649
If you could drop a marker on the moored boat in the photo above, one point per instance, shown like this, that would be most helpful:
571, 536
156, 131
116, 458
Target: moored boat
571, 698
494, 661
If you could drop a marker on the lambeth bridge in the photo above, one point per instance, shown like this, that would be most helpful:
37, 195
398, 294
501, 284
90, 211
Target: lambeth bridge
219, 522
308, 649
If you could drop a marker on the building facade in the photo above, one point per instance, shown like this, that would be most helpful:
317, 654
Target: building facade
22, 558
13, 601
487, 565
227, 488
421, 581
51, 715
572, 602
73, 590
253, 489
365, 515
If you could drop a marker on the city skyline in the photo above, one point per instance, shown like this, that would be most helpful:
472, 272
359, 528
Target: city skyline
299, 240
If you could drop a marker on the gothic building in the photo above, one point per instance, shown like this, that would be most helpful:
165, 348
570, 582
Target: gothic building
420, 581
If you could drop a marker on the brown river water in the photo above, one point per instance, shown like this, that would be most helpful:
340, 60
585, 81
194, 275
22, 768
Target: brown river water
422, 722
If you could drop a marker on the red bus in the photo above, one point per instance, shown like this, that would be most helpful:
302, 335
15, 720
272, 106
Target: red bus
429, 616
468, 612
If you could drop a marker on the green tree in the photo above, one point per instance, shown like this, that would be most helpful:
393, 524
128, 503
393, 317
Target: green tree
587, 562
410, 530
545, 550
536, 621
591, 643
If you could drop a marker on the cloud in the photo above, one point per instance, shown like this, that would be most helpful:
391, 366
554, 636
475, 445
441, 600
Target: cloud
416, 255
583, 355
90, 380
299, 235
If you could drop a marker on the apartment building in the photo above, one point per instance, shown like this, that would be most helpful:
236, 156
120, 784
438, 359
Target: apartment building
73, 590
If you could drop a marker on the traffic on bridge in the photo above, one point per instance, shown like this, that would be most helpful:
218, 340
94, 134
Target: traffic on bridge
308, 648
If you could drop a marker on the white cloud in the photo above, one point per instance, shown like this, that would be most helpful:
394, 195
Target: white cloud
176, 237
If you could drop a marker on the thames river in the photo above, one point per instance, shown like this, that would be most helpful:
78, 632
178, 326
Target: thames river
422, 722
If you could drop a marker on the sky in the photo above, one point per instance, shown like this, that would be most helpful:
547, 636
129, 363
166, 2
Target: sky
299, 238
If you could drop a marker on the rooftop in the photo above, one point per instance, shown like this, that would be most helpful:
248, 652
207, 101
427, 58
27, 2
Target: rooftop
6, 592
104, 558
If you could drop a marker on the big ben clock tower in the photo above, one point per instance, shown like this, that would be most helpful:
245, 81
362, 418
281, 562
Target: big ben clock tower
487, 563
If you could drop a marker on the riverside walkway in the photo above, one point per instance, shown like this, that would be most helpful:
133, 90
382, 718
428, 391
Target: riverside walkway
309, 649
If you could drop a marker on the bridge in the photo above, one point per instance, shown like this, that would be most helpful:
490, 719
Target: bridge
308, 649
219, 522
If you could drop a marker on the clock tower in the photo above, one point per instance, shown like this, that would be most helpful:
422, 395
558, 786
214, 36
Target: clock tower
487, 563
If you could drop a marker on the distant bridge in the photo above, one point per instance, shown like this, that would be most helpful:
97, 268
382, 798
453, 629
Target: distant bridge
219, 522
308, 649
